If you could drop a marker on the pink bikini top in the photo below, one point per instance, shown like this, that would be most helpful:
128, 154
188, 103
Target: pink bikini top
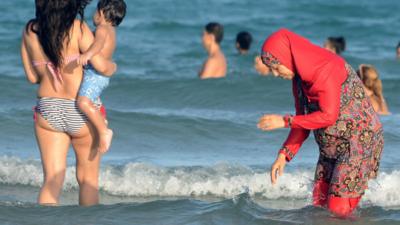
55, 73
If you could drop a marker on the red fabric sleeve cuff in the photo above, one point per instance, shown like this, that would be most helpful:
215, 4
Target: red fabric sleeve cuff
294, 123
286, 151
288, 120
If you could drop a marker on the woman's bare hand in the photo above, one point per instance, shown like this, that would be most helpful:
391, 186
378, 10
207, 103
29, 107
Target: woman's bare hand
277, 167
271, 122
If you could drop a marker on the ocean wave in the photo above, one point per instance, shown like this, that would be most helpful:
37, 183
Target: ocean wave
221, 180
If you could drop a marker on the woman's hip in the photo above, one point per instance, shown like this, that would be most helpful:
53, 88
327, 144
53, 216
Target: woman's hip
61, 115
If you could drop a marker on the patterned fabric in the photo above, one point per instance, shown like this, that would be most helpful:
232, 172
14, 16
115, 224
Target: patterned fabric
286, 151
93, 84
269, 59
350, 150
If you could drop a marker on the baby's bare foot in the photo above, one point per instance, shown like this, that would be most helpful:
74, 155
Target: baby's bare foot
105, 139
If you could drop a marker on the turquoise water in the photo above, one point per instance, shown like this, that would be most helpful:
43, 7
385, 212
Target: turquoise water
188, 151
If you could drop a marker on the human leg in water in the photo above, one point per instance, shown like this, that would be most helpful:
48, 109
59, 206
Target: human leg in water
342, 207
94, 115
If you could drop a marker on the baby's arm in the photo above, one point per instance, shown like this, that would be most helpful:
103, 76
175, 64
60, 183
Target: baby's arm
100, 38
100, 64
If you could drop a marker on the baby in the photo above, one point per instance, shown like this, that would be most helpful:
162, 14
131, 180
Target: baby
109, 14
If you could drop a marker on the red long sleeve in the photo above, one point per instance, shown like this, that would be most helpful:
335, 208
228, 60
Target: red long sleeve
293, 142
328, 98
327, 95
296, 136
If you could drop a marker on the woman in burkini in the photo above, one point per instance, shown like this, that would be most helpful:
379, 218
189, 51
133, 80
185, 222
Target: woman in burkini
373, 88
51, 43
330, 101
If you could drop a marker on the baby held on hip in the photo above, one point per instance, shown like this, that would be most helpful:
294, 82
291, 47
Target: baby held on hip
94, 82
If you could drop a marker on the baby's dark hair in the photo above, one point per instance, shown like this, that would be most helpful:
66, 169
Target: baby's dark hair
244, 40
216, 29
113, 10
339, 43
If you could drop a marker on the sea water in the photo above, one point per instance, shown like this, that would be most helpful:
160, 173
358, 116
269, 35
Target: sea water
188, 151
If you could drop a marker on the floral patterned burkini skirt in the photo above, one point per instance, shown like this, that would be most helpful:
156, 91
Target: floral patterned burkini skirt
350, 150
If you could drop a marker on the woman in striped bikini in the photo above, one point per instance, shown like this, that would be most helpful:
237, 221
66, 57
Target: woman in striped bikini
51, 43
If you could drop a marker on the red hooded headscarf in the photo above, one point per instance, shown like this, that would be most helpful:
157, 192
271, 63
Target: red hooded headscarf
311, 62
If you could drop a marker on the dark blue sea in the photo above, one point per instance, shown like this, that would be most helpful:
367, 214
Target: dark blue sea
188, 151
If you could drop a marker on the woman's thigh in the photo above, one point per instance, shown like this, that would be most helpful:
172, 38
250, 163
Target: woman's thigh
324, 169
53, 148
87, 156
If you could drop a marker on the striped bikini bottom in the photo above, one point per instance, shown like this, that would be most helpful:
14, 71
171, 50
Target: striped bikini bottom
62, 114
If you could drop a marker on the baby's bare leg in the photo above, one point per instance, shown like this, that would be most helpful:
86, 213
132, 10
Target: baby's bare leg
95, 117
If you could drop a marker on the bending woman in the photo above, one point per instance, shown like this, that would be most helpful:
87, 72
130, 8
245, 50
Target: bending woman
51, 43
330, 101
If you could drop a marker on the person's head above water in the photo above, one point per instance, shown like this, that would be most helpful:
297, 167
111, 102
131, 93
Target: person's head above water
243, 42
398, 50
370, 78
112, 11
287, 53
52, 24
336, 45
213, 34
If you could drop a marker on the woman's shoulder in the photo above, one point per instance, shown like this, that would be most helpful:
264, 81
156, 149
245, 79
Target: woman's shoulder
80, 27
29, 34
80, 24
29, 28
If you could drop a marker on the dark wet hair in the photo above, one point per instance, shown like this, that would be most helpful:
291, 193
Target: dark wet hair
53, 20
216, 29
244, 40
338, 43
398, 45
114, 10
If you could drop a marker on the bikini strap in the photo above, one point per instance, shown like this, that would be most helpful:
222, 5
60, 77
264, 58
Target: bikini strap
55, 72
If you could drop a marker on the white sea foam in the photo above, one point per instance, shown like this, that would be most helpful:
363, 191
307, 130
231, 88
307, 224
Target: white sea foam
221, 180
